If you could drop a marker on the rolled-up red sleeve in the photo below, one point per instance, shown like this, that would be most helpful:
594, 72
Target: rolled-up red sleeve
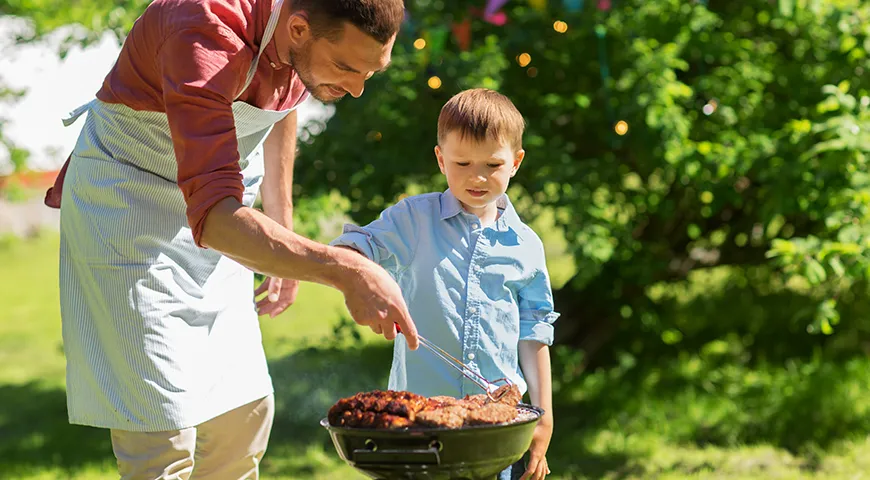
202, 71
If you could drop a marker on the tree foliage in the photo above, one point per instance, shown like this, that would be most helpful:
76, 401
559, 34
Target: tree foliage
746, 143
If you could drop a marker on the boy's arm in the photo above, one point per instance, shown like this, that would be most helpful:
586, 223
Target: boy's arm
535, 363
536, 334
390, 241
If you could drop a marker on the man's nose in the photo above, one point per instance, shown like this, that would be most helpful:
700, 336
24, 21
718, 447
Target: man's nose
354, 86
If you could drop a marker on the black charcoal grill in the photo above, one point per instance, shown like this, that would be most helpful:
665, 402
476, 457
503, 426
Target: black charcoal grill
467, 453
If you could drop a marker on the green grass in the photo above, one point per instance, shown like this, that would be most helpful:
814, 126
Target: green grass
618, 424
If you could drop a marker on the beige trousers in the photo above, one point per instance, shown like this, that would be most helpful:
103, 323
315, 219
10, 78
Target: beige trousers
227, 447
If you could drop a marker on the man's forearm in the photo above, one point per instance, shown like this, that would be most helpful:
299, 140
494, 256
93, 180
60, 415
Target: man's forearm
261, 244
279, 151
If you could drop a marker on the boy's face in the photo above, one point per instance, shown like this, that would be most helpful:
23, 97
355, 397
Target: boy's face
478, 172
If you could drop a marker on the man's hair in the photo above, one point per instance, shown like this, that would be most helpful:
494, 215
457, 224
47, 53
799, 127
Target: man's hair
380, 19
479, 114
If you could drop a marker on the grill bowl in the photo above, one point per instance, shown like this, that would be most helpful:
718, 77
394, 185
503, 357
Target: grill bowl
468, 453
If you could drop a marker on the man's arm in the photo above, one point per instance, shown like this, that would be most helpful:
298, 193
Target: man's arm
280, 154
256, 241
279, 151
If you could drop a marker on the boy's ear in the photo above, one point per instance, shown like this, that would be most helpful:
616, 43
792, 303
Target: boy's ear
518, 159
440, 158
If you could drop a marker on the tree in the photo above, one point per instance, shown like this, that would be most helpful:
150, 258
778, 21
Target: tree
667, 137
745, 140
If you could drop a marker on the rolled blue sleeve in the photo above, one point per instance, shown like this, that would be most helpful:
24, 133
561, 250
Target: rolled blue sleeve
536, 307
388, 241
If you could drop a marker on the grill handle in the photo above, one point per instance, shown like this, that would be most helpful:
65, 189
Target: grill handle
419, 456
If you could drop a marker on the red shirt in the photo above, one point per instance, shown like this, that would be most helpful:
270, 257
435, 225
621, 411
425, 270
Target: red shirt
189, 59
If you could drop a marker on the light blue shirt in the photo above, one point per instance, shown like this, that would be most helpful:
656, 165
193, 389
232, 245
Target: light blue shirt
475, 292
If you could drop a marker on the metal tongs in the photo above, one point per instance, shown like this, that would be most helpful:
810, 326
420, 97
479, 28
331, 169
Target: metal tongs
489, 387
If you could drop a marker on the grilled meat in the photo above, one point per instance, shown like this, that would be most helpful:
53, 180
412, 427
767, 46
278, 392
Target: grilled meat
491, 414
349, 411
364, 419
475, 401
399, 409
444, 417
512, 395
442, 401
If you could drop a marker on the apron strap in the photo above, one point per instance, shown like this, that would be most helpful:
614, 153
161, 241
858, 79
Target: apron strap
267, 36
75, 114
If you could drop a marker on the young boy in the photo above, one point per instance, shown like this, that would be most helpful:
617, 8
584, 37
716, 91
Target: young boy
473, 275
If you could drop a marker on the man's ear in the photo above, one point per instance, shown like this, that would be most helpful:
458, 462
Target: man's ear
298, 29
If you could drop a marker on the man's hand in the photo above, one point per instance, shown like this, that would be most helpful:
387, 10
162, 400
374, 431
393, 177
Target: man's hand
374, 300
538, 468
280, 294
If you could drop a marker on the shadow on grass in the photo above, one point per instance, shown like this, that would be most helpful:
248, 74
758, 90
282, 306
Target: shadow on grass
307, 383
35, 434
817, 408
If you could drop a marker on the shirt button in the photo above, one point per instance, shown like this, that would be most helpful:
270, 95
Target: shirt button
474, 226
471, 356
272, 64
472, 310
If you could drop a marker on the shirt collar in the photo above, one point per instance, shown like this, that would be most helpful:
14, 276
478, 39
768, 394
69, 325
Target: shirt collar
508, 220
270, 51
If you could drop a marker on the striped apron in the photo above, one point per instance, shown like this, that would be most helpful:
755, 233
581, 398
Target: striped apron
158, 333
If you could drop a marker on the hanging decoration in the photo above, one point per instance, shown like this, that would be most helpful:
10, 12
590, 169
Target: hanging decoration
493, 6
498, 18
435, 39
491, 13
573, 5
462, 34
538, 4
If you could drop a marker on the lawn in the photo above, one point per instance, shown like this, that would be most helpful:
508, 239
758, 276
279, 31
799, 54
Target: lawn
312, 366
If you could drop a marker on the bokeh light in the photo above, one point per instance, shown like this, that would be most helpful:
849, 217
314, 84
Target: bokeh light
621, 127
524, 59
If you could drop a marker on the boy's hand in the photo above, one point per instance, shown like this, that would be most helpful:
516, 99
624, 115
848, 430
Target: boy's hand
281, 294
538, 468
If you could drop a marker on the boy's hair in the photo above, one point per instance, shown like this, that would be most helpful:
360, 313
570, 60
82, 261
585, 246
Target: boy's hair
379, 19
481, 113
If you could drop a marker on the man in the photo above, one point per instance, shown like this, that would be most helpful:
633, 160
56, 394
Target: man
158, 239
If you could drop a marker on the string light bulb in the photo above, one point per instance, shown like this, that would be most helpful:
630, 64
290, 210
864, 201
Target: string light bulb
524, 59
621, 127
434, 82
710, 107
419, 44
560, 26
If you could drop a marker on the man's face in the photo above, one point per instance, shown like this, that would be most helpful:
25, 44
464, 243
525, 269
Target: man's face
478, 172
330, 70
